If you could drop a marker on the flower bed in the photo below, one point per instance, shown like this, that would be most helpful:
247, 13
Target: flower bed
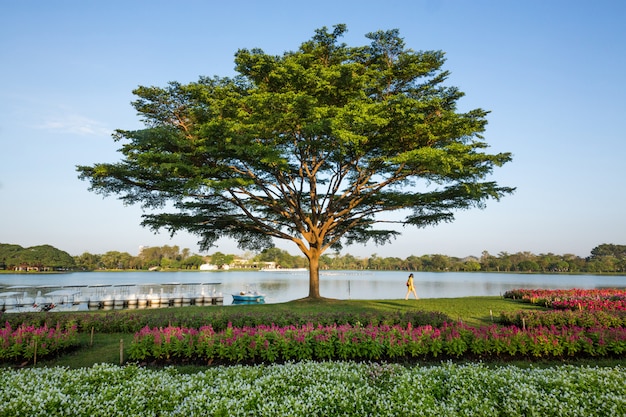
573, 299
580, 318
28, 342
315, 389
394, 343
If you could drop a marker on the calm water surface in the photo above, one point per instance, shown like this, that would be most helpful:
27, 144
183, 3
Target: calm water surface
286, 286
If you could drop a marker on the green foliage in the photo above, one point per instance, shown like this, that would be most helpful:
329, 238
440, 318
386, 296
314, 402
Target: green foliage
316, 389
616, 251
357, 342
42, 257
27, 343
311, 146
164, 256
281, 257
608, 257
504, 262
88, 262
579, 318
219, 319
192, 262
219, 259
116, 260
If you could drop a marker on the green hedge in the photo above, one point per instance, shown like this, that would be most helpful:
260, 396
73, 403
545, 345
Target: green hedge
583, 318
133, 321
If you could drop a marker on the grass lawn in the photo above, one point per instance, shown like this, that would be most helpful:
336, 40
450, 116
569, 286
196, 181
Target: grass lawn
474, 311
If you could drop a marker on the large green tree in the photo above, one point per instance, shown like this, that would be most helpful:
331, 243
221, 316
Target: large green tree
609, 249
313, 146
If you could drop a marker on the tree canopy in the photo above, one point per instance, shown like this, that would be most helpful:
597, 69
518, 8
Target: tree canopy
609, 249
42, 257
315, 146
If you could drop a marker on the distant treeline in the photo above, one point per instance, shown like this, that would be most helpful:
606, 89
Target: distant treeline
605, 258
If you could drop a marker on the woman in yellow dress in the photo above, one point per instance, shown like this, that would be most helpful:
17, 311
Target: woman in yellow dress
410, 288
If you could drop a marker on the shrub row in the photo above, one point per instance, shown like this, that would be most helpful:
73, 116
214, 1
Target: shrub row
588, 319
218, 319
395, 343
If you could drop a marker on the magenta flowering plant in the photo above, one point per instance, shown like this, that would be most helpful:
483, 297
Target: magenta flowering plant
396, 343
26, 341
573, 299
597, 304
164, 343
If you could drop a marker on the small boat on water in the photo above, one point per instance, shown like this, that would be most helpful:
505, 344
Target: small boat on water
248, 297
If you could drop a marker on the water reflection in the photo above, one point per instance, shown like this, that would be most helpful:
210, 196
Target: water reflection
243, 302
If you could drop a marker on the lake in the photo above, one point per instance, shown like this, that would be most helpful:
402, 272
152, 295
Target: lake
285, 286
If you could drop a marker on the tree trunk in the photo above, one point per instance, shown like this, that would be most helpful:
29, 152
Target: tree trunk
314, 275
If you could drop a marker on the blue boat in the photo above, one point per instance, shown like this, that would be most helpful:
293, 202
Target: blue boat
248, 297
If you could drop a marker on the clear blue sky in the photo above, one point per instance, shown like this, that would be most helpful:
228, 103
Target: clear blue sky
550, 72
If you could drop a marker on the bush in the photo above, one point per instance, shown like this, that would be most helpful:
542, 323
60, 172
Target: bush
578, 318
132, 321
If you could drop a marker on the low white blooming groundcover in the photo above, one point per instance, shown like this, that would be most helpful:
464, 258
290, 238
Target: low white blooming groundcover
315, 389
